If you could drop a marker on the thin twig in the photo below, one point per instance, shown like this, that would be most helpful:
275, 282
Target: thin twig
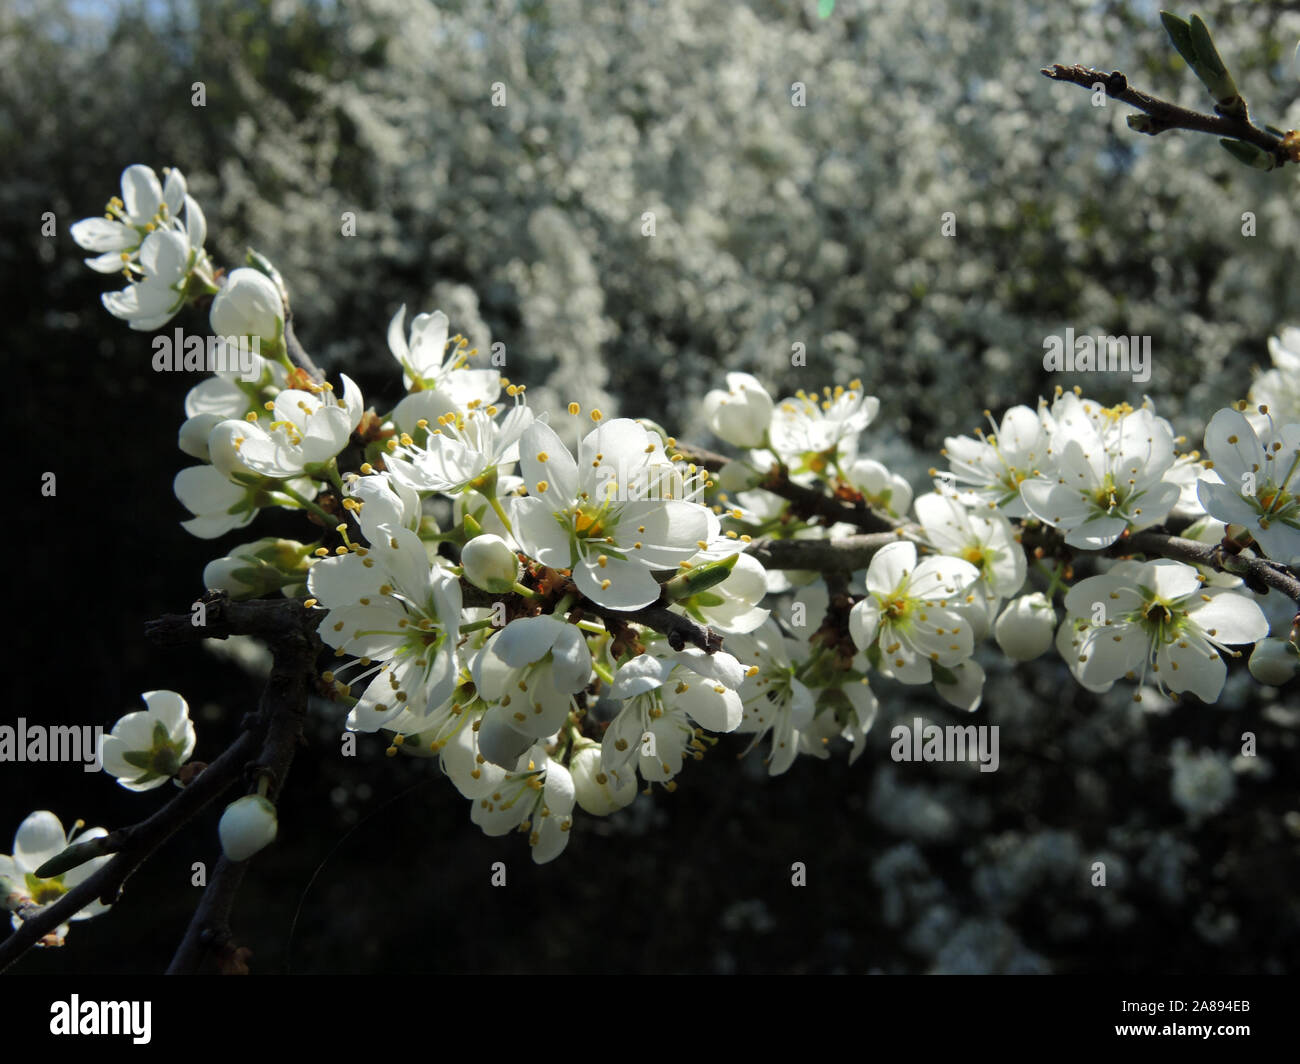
1258, 573
679, 630
1165, 115
808, 502
845, 554
282, 710
297, 353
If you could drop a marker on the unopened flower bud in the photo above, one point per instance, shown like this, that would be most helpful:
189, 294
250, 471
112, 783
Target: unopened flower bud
735, 477
248, 825
742, 413
1273, 662
1026, 627
257, 568
490, 564
248, 305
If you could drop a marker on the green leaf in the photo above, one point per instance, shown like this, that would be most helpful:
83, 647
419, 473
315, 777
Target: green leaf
825, 7
700, 578
707, 599
1180, 33
1196, 46
1248, 154
77, 854
1205, 49
1212, 71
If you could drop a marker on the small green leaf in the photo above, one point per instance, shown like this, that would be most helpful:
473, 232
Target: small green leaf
1213, 73
1205, 49
1196, 46
77, 854
693, 581
1248, 154
1180, 33
707, 599
825, 7
160, 737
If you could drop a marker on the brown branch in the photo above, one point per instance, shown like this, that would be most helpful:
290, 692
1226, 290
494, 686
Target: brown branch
297, 353
1165, 115
846, 554
679, 630
1258, 573
807, 502
270, 620
701, 456
289, 630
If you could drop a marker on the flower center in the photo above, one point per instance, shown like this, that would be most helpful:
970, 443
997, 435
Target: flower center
44, 891
1276, 504
896, 609
589, 523
1106, 497
1162, 620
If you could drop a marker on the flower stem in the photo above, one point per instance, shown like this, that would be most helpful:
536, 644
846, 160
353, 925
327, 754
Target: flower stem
500, 512
307, 504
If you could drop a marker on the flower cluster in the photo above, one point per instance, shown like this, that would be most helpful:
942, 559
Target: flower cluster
562, 608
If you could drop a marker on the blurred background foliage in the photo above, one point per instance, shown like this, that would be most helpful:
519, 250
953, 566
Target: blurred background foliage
774, 225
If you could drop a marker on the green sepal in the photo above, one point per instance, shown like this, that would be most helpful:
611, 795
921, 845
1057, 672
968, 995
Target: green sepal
1249, 154
262, 264
142, 759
